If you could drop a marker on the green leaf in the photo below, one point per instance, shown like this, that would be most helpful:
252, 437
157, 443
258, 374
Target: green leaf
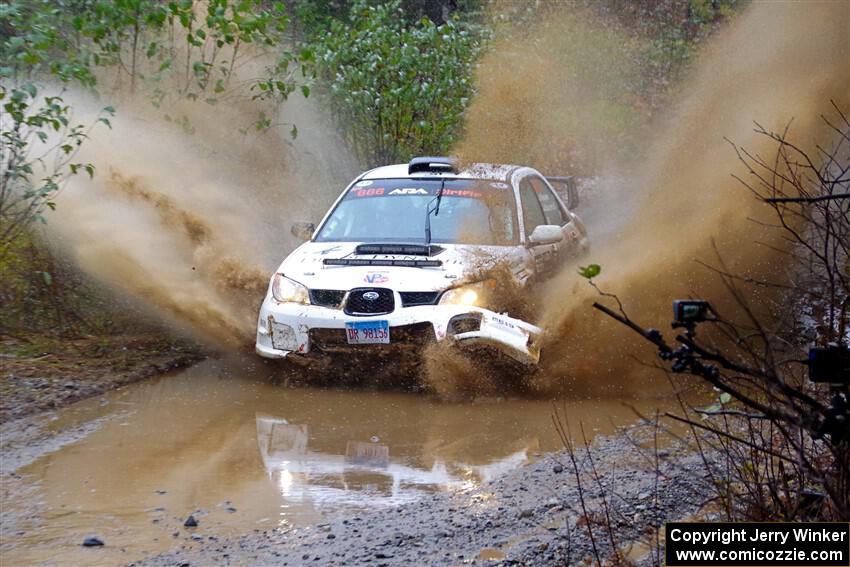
725, 398
590, 271
48, 279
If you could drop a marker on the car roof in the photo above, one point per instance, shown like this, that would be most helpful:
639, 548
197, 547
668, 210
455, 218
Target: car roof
494, 171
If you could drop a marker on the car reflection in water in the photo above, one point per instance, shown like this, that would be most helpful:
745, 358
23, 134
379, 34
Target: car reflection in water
364, 476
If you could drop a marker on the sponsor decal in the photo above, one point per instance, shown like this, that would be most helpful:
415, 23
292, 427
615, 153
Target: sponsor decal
499, 185
364, 183
403, 191
461, 193
376, 277
370, 192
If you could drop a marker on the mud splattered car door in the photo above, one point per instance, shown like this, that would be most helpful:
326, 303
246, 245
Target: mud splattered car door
545, 255
555, 213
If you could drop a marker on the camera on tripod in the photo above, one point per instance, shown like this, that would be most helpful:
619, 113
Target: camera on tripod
686, 312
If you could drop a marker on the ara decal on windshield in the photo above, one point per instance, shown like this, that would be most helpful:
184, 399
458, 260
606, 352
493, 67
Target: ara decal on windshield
409, 191
499, 185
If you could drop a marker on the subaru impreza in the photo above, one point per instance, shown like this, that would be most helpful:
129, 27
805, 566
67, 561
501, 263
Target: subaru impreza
406, 256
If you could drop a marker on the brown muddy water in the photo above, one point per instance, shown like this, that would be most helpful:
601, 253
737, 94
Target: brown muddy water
223, 443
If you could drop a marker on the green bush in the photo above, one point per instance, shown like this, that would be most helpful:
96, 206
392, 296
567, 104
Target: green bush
396, 89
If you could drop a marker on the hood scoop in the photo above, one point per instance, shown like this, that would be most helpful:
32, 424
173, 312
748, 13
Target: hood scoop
398, 249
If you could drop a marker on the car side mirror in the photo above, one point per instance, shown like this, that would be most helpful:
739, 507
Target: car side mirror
303, 230
546, 234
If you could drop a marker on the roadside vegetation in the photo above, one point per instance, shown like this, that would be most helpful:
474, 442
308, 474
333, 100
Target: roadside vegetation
774, 444
396, 89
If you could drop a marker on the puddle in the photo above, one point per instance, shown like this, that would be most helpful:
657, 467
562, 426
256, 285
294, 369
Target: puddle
490, 554
220, 442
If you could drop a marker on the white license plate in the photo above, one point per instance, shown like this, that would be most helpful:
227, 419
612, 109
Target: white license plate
368, 332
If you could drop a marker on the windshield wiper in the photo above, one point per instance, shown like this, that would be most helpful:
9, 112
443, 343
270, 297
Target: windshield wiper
436, 210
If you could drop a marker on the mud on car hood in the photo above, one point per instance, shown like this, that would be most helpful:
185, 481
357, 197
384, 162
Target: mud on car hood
345, 265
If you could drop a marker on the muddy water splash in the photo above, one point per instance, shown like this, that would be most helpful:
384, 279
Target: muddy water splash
672, 202
191, 222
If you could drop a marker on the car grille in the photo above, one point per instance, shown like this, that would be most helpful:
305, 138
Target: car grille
333, 298
326, 297
405, 335
358, 304
412, 298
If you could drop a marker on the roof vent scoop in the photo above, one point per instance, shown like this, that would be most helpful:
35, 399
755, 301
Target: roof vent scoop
427, 164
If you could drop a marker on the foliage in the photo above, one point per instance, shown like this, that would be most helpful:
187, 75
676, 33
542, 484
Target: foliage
396, 89
185, 49
38, 140
38, 143
38, 292
590, 271
166, 51
189, 48
672, 31
314, 17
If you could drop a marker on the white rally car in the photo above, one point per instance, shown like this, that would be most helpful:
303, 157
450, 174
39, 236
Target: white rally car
402, 259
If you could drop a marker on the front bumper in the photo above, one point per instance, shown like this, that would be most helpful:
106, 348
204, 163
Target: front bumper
285, 329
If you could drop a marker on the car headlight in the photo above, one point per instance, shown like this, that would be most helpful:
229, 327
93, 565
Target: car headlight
286, 290
472, 294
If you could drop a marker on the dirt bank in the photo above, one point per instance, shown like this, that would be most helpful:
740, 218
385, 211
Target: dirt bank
44, 373
531, 516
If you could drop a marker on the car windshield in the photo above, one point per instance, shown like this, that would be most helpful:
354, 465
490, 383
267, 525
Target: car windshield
472, 211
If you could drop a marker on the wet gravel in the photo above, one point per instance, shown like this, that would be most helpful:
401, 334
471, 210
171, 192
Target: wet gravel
531, 516
64, 372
